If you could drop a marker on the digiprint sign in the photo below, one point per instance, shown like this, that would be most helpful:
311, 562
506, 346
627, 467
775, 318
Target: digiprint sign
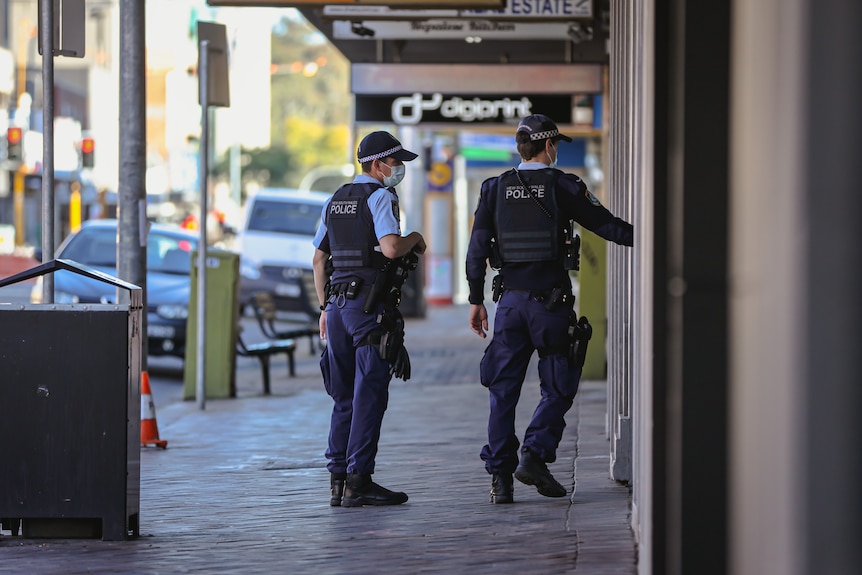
418, 108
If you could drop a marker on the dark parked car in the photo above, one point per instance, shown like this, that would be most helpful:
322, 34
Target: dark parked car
168, 278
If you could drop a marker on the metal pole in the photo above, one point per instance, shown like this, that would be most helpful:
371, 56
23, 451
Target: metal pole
131, 195
236, 173
203, 78
46, 41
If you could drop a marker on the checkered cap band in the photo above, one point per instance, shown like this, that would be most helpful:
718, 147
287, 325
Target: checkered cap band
544, 135
383, 154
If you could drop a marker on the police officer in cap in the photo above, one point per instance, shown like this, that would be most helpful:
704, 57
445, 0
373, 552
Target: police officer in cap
522, 227
359, 242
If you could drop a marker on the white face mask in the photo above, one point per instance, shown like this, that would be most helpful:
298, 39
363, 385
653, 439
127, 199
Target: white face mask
553, 163
396, 174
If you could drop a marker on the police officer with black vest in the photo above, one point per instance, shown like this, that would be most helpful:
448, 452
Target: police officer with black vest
522, 227
360, 263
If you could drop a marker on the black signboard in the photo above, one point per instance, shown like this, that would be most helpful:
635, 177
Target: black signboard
413, 109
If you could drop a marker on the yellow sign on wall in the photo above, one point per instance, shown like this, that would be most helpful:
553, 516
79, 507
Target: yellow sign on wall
440, 175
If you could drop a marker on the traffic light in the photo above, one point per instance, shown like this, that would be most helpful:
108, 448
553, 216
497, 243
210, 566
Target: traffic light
14, 143
88, 148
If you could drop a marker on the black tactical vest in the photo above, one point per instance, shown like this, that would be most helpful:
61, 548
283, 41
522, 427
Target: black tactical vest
526, 220
351, 228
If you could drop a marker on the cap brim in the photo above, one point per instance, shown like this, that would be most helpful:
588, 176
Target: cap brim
566, 138
404, 155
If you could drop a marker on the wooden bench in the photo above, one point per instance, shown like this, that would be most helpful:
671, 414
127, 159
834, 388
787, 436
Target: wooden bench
263, 351
263, 306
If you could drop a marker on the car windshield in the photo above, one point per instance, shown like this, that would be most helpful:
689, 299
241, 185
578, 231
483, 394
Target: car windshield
98, 248
168, 254
284, 217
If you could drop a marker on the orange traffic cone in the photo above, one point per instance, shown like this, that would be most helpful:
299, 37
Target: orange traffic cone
149, 427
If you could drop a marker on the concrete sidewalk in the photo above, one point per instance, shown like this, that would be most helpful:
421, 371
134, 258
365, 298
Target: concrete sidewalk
242, 487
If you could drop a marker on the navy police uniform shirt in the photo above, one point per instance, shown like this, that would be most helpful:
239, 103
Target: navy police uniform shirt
575, 202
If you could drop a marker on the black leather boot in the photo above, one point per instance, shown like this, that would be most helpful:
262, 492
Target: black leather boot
336, 488
502, 488
533, 471
359, 490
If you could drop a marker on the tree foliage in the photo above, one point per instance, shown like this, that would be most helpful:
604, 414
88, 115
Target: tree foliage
264, 166
310, 98
310, 112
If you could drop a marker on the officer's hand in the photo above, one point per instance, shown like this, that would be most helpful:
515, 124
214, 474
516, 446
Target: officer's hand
322, 325
479, 320
420, 246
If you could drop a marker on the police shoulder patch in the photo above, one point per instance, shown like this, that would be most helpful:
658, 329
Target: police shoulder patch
593, 200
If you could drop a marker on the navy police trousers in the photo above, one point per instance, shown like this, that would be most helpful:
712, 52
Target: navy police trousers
521, 326
357, 379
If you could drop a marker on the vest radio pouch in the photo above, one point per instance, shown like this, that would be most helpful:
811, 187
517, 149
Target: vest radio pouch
580, 332
572, 248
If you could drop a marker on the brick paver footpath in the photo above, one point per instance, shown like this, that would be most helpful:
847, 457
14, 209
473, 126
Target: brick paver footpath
242, 487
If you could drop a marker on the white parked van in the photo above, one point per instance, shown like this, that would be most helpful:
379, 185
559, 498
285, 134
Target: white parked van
276, 249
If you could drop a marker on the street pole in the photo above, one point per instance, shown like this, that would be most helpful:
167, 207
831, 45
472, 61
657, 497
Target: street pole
236, 173
131, 195
46, 41
212, 52
203, 78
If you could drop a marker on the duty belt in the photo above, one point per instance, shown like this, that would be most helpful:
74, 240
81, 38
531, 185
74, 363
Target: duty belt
553, 297
538, 295
350, 289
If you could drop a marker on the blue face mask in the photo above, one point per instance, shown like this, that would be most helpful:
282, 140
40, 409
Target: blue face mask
553, 163
396, 174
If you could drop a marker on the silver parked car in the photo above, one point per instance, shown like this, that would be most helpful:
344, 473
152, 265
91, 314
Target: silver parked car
276, 249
